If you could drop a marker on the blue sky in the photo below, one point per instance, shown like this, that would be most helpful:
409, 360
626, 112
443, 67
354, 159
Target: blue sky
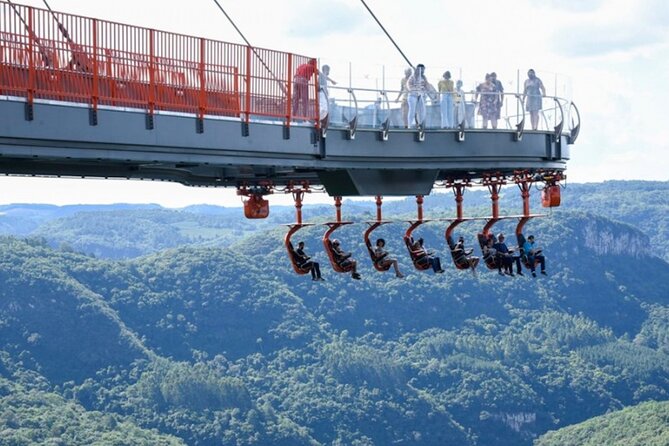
613, 55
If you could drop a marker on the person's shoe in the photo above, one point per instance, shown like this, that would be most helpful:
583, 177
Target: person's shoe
500, 273
314, 279
544, 273
440, 271
534, 274
356, 276
510, 274
520, 273
320, 279
399, 275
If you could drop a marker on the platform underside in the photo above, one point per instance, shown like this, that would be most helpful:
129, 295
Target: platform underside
60, 141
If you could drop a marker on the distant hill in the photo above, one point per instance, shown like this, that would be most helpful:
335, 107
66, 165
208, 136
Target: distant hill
644, 425
127, 231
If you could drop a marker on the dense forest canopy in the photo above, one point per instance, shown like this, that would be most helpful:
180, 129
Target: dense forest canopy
188, 327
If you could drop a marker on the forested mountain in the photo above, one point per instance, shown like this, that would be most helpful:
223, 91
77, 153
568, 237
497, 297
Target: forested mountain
127, 231
214, 343
644, 425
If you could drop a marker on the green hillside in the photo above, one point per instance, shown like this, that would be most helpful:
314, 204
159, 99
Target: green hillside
644, 425
214, 344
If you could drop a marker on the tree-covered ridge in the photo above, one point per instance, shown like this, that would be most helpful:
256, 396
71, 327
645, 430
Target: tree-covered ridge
225, 345
644, 425
32, 414
126, 231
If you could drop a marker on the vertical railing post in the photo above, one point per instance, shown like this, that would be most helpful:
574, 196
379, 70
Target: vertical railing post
152, 72
96, 75
289, 91
110, 75
31, 59
316, 112
247, 105
202, 98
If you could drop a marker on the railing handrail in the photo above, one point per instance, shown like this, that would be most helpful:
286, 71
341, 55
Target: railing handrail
164, 70
147, 57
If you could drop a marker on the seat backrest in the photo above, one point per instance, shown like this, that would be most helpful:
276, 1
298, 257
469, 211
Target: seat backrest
336, 260
459, 257
490, 261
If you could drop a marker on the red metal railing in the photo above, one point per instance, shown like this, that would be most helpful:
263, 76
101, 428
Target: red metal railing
77, 59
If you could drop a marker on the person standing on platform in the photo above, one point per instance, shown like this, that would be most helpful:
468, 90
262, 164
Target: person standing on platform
404, 97
303, 74
419, 88
498, 88
446, 90
458, 104
489, 98
534, 90
323, 92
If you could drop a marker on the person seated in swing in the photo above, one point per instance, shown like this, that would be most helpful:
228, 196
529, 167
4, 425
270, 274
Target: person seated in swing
423, 256
534, 255
344, 260
505, 257
382, 258
464, 256
488, 251
304, 262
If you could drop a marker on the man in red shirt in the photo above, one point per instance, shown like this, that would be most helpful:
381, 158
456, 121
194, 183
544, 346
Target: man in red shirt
301, 88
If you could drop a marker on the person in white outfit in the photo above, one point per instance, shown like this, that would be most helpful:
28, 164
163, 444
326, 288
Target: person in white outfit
323, 93
419, 88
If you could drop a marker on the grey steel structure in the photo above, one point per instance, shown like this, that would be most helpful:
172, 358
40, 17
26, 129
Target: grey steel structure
60, 140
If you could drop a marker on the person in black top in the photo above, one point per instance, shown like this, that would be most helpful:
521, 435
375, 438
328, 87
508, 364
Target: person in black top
464, 256
305, 262
344, 259
506, 257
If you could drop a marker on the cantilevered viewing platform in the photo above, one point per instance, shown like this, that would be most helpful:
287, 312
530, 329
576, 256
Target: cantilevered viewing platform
91, 98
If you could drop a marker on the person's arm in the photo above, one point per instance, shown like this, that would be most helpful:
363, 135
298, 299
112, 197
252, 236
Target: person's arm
542, 88
303, 257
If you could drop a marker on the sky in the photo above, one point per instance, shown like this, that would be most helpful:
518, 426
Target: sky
610, 56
